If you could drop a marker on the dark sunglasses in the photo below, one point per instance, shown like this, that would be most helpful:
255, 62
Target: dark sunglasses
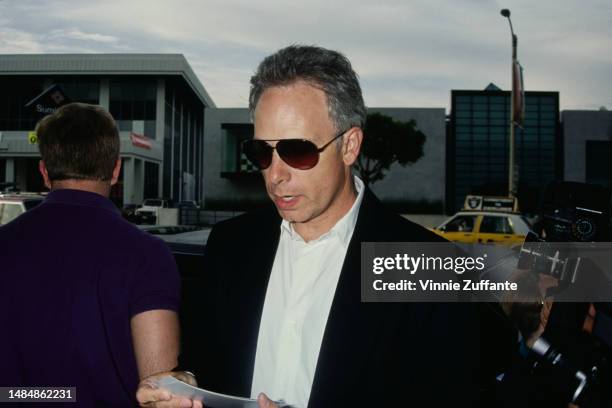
300, 154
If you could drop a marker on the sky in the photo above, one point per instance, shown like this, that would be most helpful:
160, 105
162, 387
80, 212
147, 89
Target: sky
407, 53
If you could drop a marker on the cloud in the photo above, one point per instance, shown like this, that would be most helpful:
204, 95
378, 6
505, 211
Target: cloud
18, 42
76, 34
406, 53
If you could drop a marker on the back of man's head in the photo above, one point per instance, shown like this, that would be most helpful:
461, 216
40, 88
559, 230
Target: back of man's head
79, 142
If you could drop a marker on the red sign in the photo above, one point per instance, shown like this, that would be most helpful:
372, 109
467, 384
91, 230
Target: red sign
140, 140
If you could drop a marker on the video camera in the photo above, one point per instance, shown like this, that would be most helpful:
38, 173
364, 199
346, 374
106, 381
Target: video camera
576, 212
571, 362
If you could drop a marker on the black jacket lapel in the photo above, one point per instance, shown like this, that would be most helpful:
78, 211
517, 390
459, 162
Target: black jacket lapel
243, 296
351, 329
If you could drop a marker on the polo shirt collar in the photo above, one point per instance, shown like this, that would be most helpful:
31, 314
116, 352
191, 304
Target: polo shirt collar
81, 197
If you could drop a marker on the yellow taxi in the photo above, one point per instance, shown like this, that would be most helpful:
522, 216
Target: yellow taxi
486, 220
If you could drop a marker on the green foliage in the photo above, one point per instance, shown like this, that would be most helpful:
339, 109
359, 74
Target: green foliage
387, 141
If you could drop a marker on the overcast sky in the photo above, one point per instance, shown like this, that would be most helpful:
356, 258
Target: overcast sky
408, 53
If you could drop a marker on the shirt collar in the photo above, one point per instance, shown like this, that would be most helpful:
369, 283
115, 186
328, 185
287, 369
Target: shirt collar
80, 197
343, 229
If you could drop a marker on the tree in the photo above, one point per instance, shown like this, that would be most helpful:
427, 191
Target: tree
387, 141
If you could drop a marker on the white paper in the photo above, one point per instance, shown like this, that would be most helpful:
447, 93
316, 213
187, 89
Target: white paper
210, 399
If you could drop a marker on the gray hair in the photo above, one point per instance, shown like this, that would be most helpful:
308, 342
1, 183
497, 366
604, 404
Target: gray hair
325, 69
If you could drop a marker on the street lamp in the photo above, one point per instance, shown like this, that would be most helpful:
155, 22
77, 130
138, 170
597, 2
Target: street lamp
511, 187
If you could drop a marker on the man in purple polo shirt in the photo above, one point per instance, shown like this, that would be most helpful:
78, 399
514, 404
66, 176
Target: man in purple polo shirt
86, 299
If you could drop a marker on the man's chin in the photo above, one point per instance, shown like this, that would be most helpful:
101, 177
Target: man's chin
291, 215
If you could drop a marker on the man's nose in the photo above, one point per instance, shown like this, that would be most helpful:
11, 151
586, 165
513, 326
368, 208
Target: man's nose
279, 171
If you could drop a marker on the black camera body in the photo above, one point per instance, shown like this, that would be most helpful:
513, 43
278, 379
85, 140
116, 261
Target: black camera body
577, 212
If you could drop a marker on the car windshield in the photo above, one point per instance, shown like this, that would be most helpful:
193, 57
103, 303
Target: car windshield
152, 203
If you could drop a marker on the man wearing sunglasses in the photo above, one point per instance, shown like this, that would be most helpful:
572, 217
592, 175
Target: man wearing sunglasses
281, 317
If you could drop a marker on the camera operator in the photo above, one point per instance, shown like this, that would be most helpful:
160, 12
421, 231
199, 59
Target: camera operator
566, 328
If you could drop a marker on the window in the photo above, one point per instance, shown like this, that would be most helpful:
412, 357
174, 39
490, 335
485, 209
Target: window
85, 90
598, 163
151, 180
495, 225
234, 161
461, 223
9, 211
16, 93
133, 105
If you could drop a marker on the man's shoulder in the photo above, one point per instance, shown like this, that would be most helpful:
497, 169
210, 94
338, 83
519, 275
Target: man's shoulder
60, 223
385, 225
129, 235
409, 231
250, 222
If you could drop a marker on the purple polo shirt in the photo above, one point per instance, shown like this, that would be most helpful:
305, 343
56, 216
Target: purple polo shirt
73, 273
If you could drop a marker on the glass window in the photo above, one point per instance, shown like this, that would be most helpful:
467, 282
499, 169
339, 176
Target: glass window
9, 211
133, 105
499, 122
176, 149
598, 163
499, 108
151, 180
495, 225
547, 100
463, 99
461, 223
16, 93
85, 90
234, 161
498, 100
463, 107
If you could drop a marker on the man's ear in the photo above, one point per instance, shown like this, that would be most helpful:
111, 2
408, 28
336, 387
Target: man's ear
116, 172
42, 168
351, 145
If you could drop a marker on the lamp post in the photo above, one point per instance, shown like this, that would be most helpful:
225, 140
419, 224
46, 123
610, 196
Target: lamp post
511, 187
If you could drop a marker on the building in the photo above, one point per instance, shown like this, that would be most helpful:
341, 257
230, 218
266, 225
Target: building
156, 99
588, 146
232, 183
478, 140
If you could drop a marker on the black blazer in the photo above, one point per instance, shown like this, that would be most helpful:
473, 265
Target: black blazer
372, 354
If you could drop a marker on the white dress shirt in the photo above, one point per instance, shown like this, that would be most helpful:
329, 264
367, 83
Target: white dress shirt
298, 299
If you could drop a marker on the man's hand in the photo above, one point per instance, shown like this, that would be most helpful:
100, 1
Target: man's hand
265, 402
151, 396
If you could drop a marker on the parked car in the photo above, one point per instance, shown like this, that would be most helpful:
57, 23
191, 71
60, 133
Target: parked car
128, 211
12, 205
485, 227
147, 214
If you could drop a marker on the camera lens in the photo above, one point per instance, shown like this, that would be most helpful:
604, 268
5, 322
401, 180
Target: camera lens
584, 229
